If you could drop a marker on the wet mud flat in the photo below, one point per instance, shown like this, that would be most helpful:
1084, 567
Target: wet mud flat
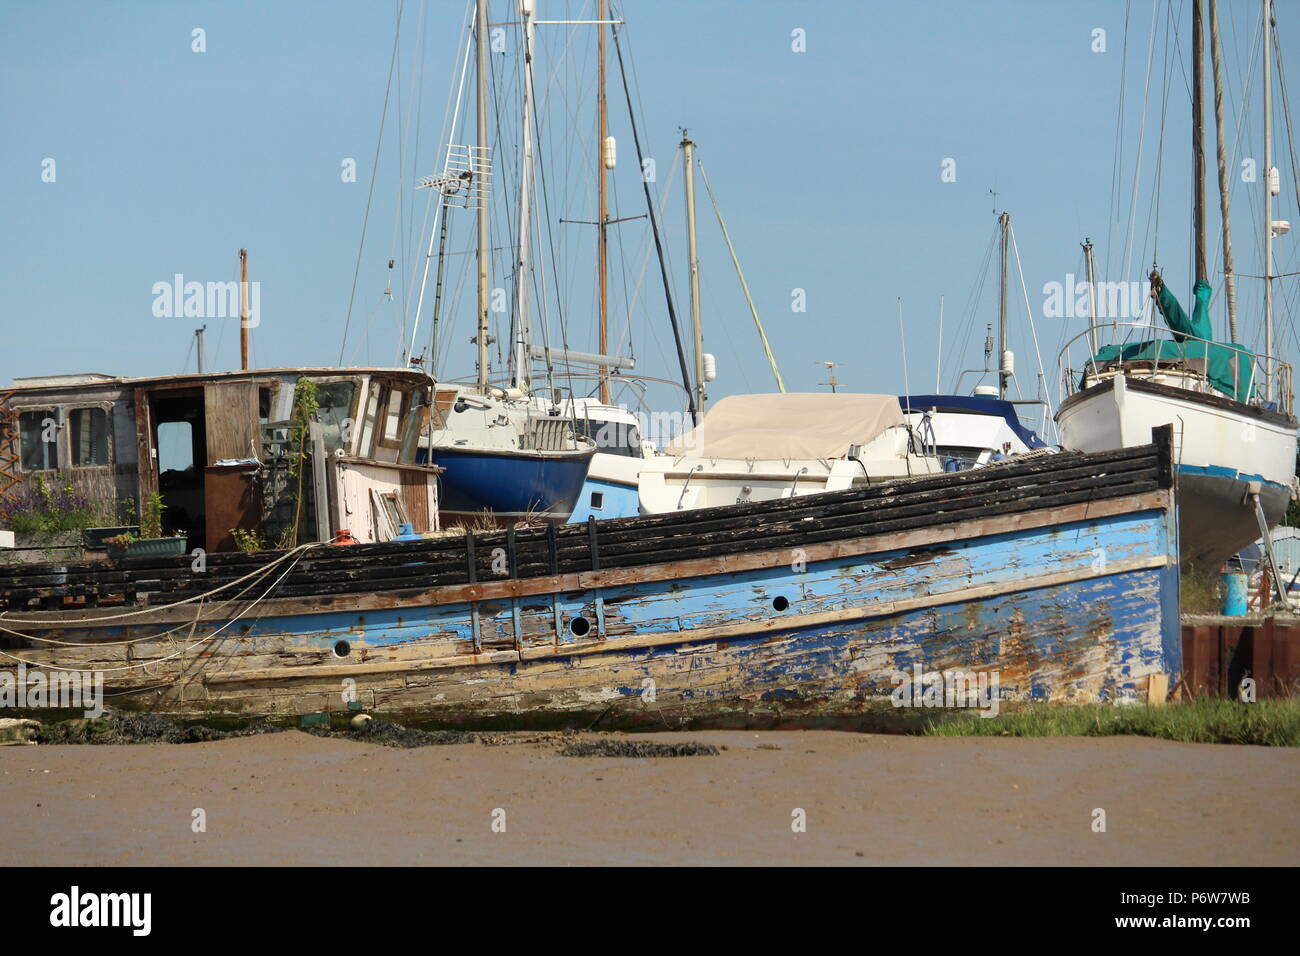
781, 797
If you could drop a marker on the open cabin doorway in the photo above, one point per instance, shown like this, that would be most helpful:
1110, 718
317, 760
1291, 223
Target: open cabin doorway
178, 455
185, 433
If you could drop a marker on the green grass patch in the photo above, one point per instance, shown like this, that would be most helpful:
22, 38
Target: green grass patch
1200, 591
1207, 720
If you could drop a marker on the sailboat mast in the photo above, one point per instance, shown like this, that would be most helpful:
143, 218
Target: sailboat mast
1092, 296
1221, 155
243, 308
601, 163
1004, 373
688, 157
480, 63
521, 376
1269, 177
1198, 138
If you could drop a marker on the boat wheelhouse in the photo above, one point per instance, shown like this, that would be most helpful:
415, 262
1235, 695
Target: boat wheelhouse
222, 452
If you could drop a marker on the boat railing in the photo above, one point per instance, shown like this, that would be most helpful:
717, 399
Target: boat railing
1259, 380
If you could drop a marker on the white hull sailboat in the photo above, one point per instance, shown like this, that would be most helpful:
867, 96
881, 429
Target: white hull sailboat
1232, 412
1226, 452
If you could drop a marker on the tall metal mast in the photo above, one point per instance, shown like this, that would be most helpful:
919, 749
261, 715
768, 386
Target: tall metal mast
522, 358
1269, 177
1221, 155
1092, 296
484, 250
688, 157
603, 216
1198, 141
1004, 373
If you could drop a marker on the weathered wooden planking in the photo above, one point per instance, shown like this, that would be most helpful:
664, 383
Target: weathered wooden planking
1075, 632
335, 570
499, 587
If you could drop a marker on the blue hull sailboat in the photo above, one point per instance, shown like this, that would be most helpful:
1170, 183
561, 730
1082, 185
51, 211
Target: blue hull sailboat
510, 485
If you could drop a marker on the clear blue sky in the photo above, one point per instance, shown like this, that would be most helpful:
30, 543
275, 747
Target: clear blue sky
827, 162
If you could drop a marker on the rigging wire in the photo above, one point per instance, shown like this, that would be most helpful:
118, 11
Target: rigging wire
450, 119
1126, 259
672, 311
370, 195
973, 301
1118, 159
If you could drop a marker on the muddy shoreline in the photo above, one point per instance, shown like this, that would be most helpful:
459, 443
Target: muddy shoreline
298, 798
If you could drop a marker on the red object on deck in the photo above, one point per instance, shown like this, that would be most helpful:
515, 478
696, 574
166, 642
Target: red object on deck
344, 537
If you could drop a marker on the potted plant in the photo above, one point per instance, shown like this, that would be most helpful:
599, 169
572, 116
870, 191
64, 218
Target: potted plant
150, 541
93, 539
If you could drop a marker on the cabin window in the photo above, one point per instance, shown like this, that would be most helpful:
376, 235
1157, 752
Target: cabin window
416, 421
393, 418
387, 514
175, 449
334, 412
88, 437
612, 438
39, 432
597, 500
366, 448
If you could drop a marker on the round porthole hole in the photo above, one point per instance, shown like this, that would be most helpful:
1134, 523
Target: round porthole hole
579, 626
342, 648
780, 603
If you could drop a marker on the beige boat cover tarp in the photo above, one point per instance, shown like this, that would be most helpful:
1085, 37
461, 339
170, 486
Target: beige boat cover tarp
789, 425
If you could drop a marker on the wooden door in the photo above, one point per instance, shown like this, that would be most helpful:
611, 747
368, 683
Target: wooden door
230, 411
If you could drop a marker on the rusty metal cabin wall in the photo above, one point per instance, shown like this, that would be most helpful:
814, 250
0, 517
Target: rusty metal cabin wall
1218, 653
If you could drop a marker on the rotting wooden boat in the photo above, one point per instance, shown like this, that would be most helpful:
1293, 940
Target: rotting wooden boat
1055, 574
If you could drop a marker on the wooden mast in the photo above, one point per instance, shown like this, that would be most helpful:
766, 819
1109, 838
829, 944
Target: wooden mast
1221, 155
1198, 149
603, 216
243, 308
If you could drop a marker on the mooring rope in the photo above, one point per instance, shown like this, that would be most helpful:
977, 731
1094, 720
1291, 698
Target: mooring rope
261, 575
166, 607
158, 660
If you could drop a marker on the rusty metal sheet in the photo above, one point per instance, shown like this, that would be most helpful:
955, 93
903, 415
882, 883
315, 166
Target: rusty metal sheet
1218, 655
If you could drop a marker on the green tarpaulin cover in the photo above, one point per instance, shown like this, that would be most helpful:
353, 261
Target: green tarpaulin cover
1219, 357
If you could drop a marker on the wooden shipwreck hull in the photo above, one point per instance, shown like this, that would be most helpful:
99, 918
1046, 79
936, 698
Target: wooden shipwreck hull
1056, 573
